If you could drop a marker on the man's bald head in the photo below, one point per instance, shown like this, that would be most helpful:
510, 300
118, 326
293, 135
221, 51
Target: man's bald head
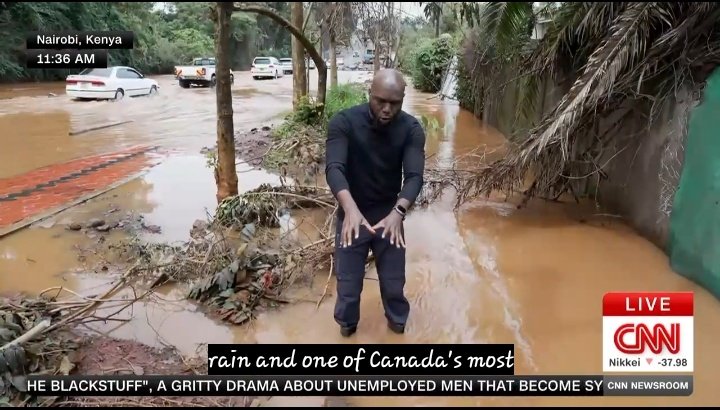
386, 95
390, 80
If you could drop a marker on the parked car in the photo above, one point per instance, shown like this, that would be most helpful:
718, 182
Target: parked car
287, 66
112, 83
201, 72
266, 67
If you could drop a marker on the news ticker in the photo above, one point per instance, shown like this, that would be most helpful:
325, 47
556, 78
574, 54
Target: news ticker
565, 385
361, 359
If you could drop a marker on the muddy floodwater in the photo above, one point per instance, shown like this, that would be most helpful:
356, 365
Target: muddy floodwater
492, 273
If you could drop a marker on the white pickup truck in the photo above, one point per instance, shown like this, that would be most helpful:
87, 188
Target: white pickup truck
201, 72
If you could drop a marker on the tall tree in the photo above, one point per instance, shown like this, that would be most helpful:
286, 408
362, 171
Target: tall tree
225, 174
275, 40
298, 56
336, 20
393, 36
434, 11
372, 15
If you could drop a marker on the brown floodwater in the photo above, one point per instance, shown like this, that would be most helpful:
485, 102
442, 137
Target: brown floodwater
488, 274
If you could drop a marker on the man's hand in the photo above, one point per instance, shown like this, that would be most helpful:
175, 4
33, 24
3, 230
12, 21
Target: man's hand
393, 226
351, 227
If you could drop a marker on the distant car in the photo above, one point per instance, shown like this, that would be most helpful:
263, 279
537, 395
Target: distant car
201, 72
287, 66
112, 83
266, 67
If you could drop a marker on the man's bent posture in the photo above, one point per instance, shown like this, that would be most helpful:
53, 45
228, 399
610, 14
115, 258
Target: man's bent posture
369, 148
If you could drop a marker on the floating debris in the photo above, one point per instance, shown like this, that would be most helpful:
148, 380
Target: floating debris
264, 205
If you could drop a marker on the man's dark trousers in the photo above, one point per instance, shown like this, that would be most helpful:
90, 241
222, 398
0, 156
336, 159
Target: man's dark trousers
350, 271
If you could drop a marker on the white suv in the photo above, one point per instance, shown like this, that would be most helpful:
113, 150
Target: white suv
287, 65
266, 67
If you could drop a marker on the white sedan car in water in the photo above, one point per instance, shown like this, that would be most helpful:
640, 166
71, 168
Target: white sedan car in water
112, 83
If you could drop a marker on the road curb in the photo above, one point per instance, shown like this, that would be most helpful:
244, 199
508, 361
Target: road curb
44, 215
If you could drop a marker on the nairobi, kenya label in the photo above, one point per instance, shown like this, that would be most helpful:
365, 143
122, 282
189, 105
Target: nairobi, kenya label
648, 332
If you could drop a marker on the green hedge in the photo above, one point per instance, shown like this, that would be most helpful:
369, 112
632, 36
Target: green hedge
430, 60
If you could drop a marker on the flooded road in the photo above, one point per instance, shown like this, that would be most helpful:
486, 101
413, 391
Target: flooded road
181, 120
492, 274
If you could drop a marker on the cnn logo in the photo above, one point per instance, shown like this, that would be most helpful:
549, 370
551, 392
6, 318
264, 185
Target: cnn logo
632, 338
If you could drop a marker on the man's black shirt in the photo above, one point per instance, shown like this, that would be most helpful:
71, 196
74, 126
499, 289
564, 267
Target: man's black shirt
369, 160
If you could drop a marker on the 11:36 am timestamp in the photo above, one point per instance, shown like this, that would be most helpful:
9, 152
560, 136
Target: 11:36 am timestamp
58, 59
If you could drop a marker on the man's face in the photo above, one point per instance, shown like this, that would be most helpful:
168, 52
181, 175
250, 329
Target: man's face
385, 104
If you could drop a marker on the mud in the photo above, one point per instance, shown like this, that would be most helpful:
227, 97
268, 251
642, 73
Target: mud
251, 146
105, 356
102, 355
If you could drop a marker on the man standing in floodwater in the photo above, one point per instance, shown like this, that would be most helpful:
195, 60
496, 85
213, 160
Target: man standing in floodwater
375, 161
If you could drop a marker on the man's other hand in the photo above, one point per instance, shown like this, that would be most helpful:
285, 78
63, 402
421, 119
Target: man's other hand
393, 226
351, 227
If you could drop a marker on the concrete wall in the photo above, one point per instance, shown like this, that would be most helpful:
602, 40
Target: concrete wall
641, 180
644, 174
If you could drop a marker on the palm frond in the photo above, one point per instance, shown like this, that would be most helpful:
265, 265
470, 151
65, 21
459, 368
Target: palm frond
625, 43
505, 22
529, 98
576, 29
468, 12
620, 55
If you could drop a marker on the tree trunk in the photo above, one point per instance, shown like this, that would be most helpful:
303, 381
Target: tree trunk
437, 26
378, 52
307, 79
226, 178
390, 34
398, 41
321, 41
333, 60
296, 32
300, 78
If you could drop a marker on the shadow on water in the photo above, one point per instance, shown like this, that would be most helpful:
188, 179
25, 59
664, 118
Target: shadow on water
489, 274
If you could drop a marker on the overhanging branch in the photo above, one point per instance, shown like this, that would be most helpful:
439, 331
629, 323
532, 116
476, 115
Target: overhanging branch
264, 11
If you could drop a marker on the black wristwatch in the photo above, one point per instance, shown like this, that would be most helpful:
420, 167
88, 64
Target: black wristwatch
401, 210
